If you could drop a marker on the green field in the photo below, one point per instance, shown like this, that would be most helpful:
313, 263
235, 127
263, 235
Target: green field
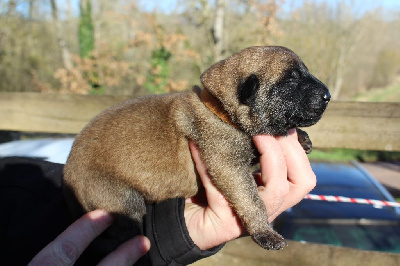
388, 94
345, 155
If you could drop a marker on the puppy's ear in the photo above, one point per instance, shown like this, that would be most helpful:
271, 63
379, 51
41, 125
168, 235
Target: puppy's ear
213, 78
248, 89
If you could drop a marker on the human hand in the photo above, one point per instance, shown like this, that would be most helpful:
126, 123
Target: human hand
70, 244
286, 177
286, 174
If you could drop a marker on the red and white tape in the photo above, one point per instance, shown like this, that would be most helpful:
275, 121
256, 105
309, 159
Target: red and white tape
376, 203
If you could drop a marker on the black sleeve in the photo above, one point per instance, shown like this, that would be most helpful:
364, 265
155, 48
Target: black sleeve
166, 228
32, 209
33, 213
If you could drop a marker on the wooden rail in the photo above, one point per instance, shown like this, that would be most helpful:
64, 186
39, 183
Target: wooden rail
365, 126
243, 251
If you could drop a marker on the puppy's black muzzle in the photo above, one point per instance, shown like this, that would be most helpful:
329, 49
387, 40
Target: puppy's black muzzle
315, 105
318, 102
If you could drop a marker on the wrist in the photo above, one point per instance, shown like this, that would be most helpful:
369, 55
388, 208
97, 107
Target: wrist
208, 229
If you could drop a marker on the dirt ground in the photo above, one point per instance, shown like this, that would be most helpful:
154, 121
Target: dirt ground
386, 173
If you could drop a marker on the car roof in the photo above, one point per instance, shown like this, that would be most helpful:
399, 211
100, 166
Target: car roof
308, 209
49, 149
348, 180
340, 174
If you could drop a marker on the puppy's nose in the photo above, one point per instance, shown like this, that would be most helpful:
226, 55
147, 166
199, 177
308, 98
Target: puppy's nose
327, 97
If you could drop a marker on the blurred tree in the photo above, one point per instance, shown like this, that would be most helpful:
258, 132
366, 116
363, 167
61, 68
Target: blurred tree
65, 54
31, 7
386, 68
158, 76
234, 25
86, 29
167, 49
331, 38
115, 46
87, 45
218, 29
11, 7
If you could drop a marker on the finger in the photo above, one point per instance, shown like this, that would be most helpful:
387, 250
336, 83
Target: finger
300, 174
69, 245
273, 172
128, 253
272, 160
216, 222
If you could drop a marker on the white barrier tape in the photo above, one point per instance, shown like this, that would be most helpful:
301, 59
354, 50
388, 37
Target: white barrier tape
377, 203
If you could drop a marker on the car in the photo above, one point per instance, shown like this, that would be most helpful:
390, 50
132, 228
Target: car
363, 226
54, 150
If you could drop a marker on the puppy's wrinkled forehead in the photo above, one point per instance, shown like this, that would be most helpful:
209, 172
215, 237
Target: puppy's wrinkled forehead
268, 63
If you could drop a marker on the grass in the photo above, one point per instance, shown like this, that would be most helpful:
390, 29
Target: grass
388, 94
345, 155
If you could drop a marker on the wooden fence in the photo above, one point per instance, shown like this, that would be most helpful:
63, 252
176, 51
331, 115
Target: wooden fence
364, 126
243, 251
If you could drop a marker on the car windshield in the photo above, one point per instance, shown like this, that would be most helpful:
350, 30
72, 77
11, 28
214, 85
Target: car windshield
360, 234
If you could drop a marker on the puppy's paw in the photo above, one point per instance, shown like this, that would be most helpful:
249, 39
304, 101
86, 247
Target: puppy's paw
304, 140
269, 240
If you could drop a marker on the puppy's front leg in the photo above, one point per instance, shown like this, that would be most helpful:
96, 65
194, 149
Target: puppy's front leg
304, 140
234, 179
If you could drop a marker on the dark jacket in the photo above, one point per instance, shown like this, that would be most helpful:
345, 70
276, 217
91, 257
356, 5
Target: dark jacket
33, 213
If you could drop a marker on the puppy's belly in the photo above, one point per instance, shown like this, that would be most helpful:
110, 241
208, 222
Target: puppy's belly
156, 187
138, 147
160, 171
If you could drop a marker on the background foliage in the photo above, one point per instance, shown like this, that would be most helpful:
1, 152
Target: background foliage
127, 47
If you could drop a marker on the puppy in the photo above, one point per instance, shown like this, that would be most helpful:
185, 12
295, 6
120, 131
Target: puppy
137, 151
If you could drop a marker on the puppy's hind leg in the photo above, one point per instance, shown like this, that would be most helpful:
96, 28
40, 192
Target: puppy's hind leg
126, 205
128, 216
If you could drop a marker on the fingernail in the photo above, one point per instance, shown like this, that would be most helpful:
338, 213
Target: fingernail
144, 245
291, 131
104, 216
